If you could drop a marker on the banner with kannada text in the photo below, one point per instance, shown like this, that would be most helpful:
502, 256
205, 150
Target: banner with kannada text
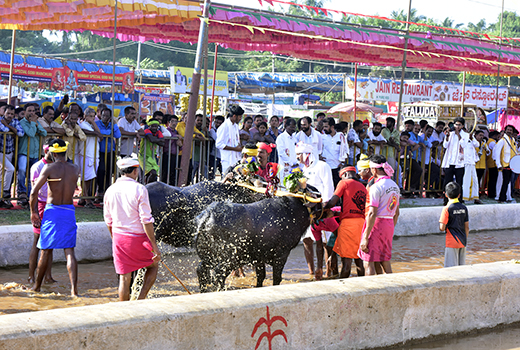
377, 89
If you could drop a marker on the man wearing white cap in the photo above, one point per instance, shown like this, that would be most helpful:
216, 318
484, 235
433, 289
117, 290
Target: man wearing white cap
319, 175
129, 219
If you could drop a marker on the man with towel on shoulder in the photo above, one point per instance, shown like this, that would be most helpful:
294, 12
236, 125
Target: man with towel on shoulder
58, 225
378, 232
319, 175
129, 219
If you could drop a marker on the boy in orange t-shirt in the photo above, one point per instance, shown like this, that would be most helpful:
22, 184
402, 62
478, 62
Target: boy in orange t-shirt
454, 220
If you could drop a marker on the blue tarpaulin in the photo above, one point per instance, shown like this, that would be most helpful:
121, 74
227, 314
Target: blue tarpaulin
493, 116
265, 82
291, 82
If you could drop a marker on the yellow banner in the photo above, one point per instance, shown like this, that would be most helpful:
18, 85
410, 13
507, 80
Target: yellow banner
181, 77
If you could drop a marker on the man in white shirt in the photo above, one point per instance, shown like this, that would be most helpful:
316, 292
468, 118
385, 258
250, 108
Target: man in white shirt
214, 156
129, 128
319, 175
470, 190
432, 171
228, 138
453, 161
355, 143
332, 148
309, 136
87, 156
504, 150
285, 143
437, 139
375, 139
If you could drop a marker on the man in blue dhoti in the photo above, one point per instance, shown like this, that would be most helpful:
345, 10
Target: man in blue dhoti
58, 225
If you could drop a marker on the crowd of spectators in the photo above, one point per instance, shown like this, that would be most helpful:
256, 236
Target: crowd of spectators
424, 157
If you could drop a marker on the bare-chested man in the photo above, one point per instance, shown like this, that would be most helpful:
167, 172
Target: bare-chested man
58, 225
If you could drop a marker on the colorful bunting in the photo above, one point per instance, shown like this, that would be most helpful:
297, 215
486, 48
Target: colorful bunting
443, 29
386, 47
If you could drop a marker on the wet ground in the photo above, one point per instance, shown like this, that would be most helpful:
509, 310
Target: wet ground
98, 282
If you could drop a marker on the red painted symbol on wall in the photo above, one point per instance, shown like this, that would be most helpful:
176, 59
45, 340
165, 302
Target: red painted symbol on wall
268, 322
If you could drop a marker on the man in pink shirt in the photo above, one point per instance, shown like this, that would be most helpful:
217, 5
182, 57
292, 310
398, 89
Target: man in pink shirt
129, 219
378, 232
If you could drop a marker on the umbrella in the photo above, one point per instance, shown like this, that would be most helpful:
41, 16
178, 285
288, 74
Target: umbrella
348, 107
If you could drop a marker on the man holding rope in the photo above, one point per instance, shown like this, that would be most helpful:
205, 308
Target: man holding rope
129, 219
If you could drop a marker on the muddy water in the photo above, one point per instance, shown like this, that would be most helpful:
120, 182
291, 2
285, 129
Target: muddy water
97, 282
498, 339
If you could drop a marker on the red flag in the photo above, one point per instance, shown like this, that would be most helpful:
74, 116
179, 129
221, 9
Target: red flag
270, 2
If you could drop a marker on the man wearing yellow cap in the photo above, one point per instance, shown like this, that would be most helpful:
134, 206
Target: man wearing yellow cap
363, 168
58, 225
153, 137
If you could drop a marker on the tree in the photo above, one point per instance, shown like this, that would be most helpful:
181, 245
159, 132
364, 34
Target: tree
306, 12
480, 27
401, 15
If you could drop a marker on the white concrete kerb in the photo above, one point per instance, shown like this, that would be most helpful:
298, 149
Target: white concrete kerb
355, 313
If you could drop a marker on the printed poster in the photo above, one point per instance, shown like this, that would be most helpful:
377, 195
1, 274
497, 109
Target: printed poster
181, 77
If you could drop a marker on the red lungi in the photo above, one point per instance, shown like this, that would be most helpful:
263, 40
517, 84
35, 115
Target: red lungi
131, 252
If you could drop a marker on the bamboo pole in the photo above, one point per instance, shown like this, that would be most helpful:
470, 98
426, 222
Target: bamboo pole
11, 67
192, 107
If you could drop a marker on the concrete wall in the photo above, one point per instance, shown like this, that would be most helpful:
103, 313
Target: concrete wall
94, 241
425, 220
356, 313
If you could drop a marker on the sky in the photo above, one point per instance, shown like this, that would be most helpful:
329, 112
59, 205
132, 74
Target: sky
461, 11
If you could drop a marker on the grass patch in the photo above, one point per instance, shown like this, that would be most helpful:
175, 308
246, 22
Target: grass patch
20, 216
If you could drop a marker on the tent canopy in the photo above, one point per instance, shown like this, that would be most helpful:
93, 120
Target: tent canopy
93, 14
250, 30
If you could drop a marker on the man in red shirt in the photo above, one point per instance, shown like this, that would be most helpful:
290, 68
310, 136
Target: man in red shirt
267, 170
352, 218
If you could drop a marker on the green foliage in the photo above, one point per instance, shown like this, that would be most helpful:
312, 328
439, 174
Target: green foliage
305, 12
292, 181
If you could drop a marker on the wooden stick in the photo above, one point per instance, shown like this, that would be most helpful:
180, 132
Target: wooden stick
177, 278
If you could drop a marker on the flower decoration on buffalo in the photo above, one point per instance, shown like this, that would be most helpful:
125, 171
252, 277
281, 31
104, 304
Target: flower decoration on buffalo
295, 180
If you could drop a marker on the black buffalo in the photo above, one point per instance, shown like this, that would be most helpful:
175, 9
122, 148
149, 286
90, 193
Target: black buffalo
175, 208
230, 235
